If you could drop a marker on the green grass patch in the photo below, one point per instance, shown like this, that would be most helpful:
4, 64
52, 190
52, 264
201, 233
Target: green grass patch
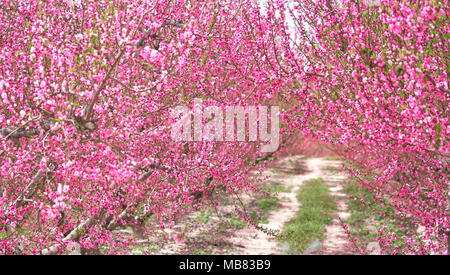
222, 228
332, 158
232, 222
204, 216
274, 171
316, 212
235, 222
3, 235
278, 188
332, 168
269, 203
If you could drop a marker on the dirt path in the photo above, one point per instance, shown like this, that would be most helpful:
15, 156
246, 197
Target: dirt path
290, 173
335, 237
255, 242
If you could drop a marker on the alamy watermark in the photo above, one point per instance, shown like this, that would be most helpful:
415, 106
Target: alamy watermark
190, 126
